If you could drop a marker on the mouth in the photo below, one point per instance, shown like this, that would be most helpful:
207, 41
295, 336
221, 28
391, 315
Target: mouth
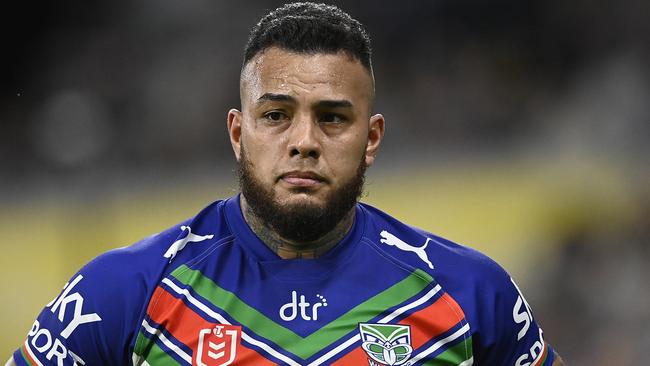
302, 179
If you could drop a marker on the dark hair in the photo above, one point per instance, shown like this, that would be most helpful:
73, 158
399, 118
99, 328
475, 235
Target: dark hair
310, 28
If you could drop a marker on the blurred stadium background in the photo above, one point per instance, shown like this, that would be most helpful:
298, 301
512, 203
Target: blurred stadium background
520, 128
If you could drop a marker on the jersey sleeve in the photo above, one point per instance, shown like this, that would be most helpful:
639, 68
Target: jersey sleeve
94, 319
510, 335
504, 330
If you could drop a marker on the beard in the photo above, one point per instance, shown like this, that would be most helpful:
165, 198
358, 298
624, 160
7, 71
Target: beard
304, 221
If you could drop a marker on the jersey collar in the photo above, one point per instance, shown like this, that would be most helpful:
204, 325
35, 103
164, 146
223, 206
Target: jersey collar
247, 238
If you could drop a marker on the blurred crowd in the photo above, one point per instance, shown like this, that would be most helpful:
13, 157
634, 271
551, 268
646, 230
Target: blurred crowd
94, 93
595, 297
124, 83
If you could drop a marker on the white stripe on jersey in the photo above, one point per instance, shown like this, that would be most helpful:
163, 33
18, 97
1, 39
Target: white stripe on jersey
386, 319
158, 333
223, 320
31, 353
441, 343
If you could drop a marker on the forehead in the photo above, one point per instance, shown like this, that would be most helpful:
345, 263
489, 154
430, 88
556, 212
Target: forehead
317, 75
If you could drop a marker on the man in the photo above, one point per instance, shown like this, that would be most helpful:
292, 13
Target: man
293, 271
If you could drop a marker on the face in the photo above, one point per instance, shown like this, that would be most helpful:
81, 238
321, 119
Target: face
304, 134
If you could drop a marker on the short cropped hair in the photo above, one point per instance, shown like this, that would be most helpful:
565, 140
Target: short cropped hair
310, 28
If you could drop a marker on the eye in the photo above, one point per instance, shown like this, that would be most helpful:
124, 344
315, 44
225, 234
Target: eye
332, 118
275, 116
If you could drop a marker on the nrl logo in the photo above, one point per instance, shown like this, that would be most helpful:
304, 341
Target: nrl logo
217, 346
386, 344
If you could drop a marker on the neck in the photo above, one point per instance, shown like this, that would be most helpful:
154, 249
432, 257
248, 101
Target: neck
289, 249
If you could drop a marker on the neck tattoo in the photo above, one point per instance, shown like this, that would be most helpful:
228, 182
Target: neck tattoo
288, 249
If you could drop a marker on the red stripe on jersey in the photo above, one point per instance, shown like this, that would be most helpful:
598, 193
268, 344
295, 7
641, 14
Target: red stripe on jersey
26, 353
433, 320
426, 324
544, 355
356, 357
184, 324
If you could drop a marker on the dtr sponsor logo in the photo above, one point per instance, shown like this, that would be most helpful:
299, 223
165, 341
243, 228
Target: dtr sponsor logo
307, 311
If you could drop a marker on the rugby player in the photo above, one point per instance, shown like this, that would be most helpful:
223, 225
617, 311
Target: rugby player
294, 270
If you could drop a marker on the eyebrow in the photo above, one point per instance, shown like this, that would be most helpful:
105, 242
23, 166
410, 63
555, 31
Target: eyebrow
276, 98
329, 104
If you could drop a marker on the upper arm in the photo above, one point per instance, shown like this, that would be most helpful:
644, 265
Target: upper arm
74, 326
558, 360
505, 332
512, 335
92, 321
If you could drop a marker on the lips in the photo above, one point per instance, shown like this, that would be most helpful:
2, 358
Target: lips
302, 178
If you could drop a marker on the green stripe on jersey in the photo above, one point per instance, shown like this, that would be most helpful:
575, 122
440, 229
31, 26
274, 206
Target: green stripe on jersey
543, 361
157, 356
23, 352
287, 339
141, 344
148, 349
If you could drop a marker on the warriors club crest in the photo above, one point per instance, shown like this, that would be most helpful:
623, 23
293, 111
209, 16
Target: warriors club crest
217, 346
386, 344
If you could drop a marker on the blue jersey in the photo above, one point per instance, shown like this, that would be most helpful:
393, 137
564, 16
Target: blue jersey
209, 292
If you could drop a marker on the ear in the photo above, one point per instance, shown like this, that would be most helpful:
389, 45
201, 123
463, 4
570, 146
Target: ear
234, 130
375, 135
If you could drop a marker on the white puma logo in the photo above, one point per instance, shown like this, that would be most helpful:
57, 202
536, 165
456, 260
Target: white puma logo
391, 239
179, 244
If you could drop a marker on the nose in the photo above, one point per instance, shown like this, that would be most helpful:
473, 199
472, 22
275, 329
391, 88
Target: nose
304, 138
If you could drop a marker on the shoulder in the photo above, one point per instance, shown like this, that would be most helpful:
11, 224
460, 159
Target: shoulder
137, 259
126, 273
467, 274
97, 315
501, 321
470, 276
427, 251
126, 276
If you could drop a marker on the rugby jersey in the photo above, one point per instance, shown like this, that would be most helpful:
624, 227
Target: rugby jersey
209, 292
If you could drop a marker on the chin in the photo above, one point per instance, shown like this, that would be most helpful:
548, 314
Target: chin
301, 197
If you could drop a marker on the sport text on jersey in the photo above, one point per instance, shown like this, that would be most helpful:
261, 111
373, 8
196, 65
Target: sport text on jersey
523, 315
43, 341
